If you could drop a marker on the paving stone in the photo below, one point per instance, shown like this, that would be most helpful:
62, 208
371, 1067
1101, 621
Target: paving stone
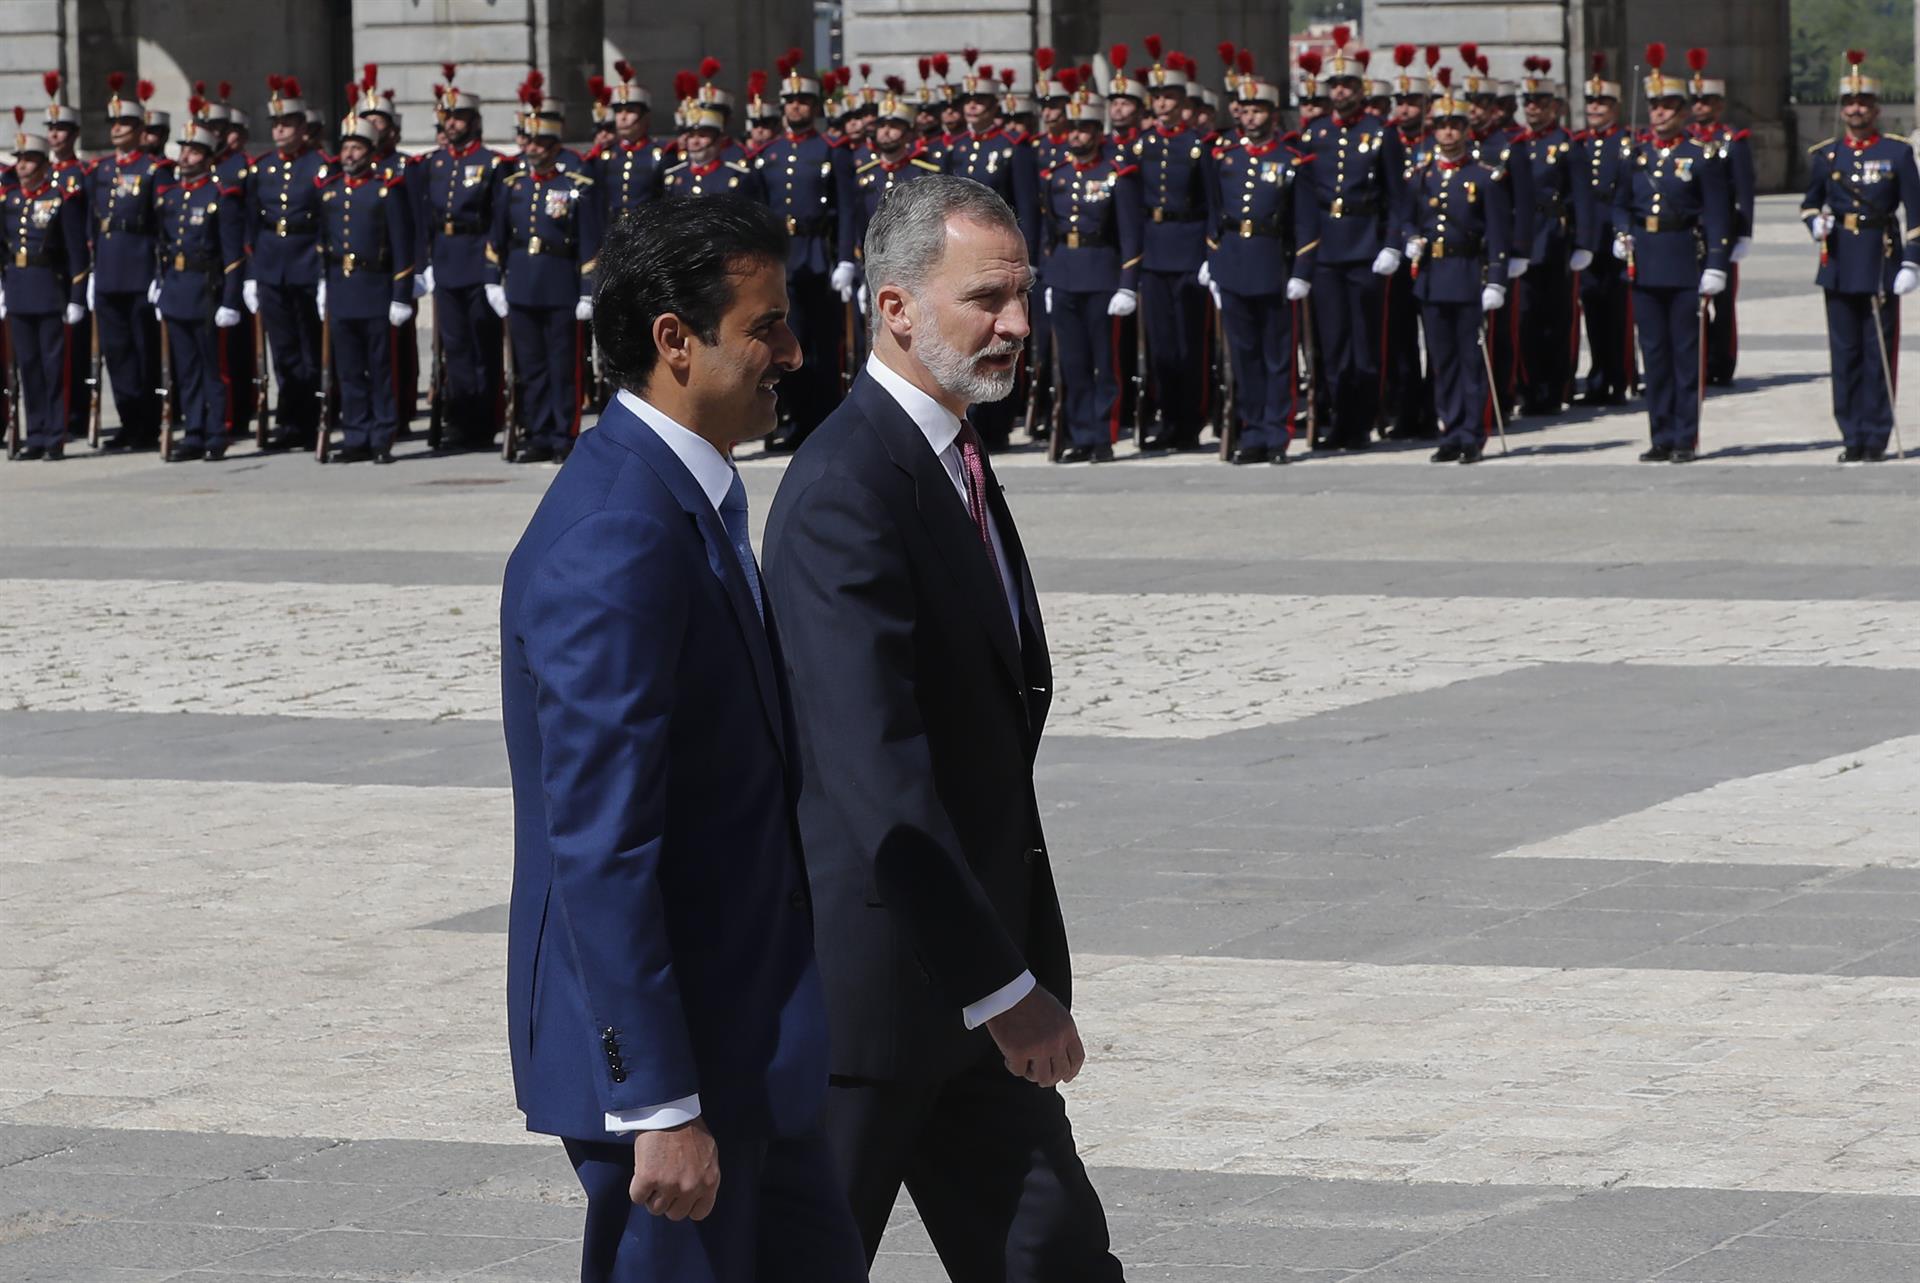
274, 1204
1852, 1218
1602, 1253
158, 1247
164, 1153
439, 1164
373, 1255
1762, 1259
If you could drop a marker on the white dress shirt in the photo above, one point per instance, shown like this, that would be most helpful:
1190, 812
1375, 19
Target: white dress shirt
714, 475
941, 427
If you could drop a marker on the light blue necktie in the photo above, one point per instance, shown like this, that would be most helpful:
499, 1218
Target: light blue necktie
733, 515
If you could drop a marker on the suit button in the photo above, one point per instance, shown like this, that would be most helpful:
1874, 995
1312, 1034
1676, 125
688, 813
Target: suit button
1034, 853
619, 1075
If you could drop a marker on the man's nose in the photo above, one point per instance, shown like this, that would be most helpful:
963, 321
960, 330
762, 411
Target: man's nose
1015, 322
786, 349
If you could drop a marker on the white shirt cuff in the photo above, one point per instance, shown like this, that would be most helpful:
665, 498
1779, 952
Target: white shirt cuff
656, 1117
999, 1001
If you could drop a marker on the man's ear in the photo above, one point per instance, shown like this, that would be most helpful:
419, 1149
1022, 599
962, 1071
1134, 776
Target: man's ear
892, 302
672, 340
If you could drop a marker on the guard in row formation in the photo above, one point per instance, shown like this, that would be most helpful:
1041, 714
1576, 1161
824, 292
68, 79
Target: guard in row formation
1418, 256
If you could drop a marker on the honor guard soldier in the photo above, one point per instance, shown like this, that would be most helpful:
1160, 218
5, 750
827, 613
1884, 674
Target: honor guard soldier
627, 172
42, 286
1051, 92
376, 110
1126, 106
1860, 185
808, 184
202, 267
1093, 218
123, 219
1603, 155
1546, 300
546, 235
1357, 174
1734, 148
367, 243
1408, 411
456, 188
711, 98
764, 119
1500, 142
233, 167
705, 170
69, 174
1456, 223
282, 229
1173, 159
603, 132
1673, 228
1264, 238
156, 126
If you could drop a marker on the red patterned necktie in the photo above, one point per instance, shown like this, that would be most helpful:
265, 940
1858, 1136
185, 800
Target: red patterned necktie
974, 470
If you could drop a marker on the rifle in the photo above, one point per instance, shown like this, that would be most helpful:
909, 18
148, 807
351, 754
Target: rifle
436, 394
1139, 381
261, 387
99, 387
13, 406
1057, 425
1228, 408
1033, 385
847, 349
507, 433
165, 393
322, 446
1312, 367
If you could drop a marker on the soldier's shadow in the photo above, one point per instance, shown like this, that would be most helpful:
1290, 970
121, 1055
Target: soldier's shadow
1563, 447
1771, 447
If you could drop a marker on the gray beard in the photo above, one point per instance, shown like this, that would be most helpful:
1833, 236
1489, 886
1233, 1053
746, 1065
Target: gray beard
958, 373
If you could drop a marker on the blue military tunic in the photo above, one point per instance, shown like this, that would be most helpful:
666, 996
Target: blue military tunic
455, 190
44, 272
1092, 217
872, 180
1601, 161
1458, 212
202, 264
124, 223
546, 235
1865, 186
1545, 306
712, 177
627, 175
807, 183
367, 243
283, 218
1173, 303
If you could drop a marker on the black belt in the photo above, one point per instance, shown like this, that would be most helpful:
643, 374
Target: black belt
139, 226
1455, 247
1083, 240
1366, 203
534, 245
1162, 215
296, 225
462, 227
186, 263
351, 263
1251, 227
813, 225
1666, 223
1854, 222
32, 258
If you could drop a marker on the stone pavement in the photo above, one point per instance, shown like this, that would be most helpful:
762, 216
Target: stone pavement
1475, 874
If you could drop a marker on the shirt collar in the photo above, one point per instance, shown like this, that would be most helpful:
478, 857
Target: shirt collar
939, 425
711, 470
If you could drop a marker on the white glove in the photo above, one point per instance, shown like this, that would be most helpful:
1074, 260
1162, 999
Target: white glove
225, 318
1047, 299
1517, 267
423, 283
399, 313
1298, 287
497, 300
1580, 260
860, 300
842, 280
91, 305
153, 292
1622, 246
1123, 303
1741, 245
1907, 279
1712, 281
320, 300
3, 305
75, 314
1415, 248
1213, 288
1386, 262
250, 295
1206, 274
583, 310
1821, 225
1493, 298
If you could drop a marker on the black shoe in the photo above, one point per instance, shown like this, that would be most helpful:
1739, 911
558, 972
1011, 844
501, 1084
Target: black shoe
1075, 454
1445, 454
55, 453
1250, 454
383, 456
1277, 456
214, 455
1853, 454
32, 452
1877, 456
1658, 454
1682, 456
534, 454
184, 453
1103, 453
352, 454
1471, 454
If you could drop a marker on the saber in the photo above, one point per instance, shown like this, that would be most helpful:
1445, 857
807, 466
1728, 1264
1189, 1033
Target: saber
1311, 376
1886, 373
1700, 401
98, 385
1493, 399
322, 446
1139, 381
262, 387
166, 395
507, 433
1229, 400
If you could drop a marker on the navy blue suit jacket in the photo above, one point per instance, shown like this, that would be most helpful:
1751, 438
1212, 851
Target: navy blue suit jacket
660, 941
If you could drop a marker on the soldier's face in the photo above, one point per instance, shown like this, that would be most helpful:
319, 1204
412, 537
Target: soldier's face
952, 119
1602, 113
1450, 135
1203, 117
1860, 111
760, 133
193, 160
1345, 95
29, 168
1053, 117
977, 112
154, 140
800, 113
1408, 111
124, 134
62, 136
1167, 104
1706, 110
1542, 113
856, 127
701, 144
540, 151
1256, 118
1123, 112
354, 153
1083, 139
628, 123
1482, 112
1664, 114
890, 136
461, 126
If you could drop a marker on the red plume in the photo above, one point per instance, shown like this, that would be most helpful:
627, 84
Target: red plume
1342, 34
1086, 73
388, 95
1656, 55
1403, 55
447, 69
275, 83
1484, 66
200, 87
1470, 53
685, 84
756, 83
1070, 79
926, 65
51, 80
1311, 62
144, 90
595, 84
623, 69
1006, 78
896, 85
19, 115
1244, 61
1364, 57
1856, 56
1546, 64
866, 70
783, 65
116, 81
290, 86
1445, 77
605, 95
1598, 61
226, 90
1433, 55
709, 68
1226, 51
194, 103
1153, 47
1531, 63
970, 55
986, 70
537, 82
1696, 59
941, 65
1043, 58
370, 75
1117, 55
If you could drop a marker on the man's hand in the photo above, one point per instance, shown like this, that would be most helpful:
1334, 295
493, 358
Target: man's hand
1298, 287
1517, 266
496, 299
1581, 260
250, 295
1037, 1038
1386, 262
676, 1172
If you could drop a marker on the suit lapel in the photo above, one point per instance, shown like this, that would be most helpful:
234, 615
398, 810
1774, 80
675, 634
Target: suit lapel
721, 558
944, 514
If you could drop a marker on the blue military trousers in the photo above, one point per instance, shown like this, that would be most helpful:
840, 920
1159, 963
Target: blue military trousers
1860, 403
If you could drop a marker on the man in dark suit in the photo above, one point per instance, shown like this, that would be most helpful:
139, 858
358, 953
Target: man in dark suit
665, 1010
920, 680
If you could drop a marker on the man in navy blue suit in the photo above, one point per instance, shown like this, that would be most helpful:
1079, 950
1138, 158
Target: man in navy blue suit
666, 1014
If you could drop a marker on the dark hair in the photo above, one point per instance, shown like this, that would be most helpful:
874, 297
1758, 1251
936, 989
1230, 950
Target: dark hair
674, 256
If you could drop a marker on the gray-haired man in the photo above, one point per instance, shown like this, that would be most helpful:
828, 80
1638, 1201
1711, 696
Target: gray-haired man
920, 679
